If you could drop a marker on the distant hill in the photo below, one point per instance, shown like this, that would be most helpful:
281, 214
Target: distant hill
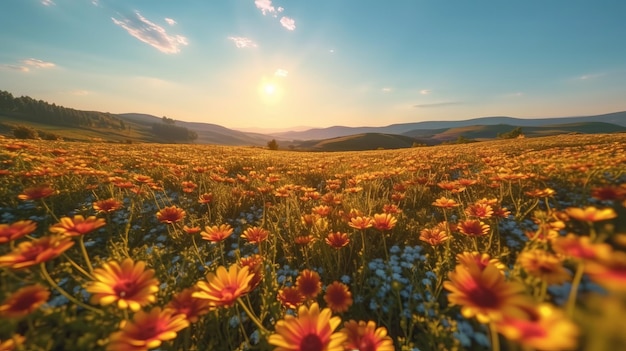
207, 133
357, 142
617, 118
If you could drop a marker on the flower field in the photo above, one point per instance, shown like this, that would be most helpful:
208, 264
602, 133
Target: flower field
501, 245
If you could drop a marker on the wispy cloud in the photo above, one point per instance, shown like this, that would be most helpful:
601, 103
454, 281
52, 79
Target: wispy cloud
243, 42
281, 73
386, 90
170, 21
425, 91
47, 2
28, 64
288, 23
589, 76
151, 33
79, 92
267, 8
439, 104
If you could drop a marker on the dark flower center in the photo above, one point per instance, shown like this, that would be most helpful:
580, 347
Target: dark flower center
311, 342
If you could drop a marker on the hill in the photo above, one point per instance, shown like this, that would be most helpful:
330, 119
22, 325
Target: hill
357, 142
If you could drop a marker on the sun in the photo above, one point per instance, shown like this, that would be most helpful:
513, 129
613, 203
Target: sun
269, 89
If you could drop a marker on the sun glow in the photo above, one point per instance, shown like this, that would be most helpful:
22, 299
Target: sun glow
270, 92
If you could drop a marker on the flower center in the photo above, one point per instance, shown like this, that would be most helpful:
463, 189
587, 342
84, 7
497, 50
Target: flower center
311, 342
367, 344
484, 297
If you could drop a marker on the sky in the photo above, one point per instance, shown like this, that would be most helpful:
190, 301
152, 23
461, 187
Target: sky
285, 63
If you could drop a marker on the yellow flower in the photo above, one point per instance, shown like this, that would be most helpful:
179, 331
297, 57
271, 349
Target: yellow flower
147, 330
484, 294
364, 336
24, 301
590, 214
128, 284
311, 330
223, 287
77, 225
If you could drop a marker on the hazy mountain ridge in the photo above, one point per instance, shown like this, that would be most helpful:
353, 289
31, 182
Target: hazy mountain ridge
616, 118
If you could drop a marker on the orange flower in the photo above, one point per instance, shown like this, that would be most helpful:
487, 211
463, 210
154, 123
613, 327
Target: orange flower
590, 214
191, 307
384, 221
544, 266
364, 336
338, 297
14, 343
205, 198
191, 230
188, 186
312, 330
479, 210
543, 328
482, 260
171, 214
16, 230
147, 330
30, 253
321, 210
304, 239
290, 297
609, 272
216, 234
255, 266
361, 223
108, 205
24, 301
128, 284
37, 192
223, 287
580, 247
445, 203
473, 227
435, 236
337, 240
77, 226
309, 283
255, 235
484, 294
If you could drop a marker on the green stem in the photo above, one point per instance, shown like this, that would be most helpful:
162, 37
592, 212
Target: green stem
78, 268
45, 274
83, 249
253, 317
571, 301
495, 341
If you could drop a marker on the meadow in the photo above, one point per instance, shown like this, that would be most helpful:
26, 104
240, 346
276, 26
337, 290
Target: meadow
501, 245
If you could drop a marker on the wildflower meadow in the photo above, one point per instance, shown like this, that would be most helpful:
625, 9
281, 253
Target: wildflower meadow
513, 244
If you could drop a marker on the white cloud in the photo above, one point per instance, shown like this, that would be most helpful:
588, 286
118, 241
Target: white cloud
386, 90
27, 64
425, 91
266, 7
281, 73
332, 51
243, 42
170, 21
47, 2
288, 23
152, 34
38, 63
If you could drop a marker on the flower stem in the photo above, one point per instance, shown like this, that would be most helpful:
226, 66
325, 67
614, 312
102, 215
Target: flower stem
495, 341
571, 300
50, 281
253, 317
83, 249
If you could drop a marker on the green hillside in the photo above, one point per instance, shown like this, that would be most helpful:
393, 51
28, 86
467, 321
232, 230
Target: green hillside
357, 142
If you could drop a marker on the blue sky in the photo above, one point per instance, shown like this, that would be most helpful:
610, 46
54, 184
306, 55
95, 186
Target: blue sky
275, 64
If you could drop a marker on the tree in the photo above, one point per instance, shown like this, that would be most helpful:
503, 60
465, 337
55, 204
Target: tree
272, 144
512, 134
24, 132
